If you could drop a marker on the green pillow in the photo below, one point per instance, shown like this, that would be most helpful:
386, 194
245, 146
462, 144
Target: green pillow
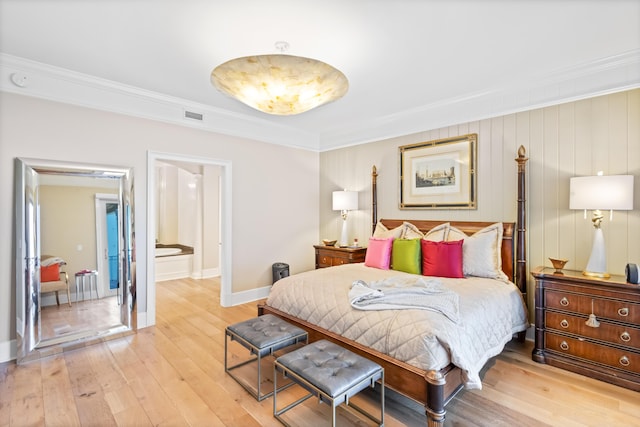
406, 256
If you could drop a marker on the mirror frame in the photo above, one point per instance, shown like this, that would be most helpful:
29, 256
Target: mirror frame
30, 345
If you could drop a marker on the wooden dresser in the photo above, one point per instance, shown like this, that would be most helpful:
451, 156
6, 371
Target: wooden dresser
327, 256
606, 347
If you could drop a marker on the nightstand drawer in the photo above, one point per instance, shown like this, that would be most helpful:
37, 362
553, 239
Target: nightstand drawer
324, 261
616, 334
621, 311
609, 356
329, 256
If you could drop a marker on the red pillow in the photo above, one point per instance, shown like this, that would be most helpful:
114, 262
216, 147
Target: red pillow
442, 259
50, 273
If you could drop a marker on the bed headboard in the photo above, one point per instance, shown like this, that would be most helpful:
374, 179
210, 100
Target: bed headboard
513, 252
469, 228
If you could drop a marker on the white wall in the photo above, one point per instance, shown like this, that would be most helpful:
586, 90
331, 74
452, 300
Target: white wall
572, 139
275, 217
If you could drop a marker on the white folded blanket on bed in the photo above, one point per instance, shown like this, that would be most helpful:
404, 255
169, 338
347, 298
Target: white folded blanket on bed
405, 293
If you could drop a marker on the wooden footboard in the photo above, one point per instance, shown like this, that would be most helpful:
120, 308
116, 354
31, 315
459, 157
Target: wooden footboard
433, 389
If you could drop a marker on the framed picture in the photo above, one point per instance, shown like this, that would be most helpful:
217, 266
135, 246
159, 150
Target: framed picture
439, 174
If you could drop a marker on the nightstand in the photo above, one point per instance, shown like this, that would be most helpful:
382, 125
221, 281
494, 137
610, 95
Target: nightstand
327, 256
605, 346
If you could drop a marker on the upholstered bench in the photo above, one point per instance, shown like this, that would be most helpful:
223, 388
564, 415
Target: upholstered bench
262, 336
330, 372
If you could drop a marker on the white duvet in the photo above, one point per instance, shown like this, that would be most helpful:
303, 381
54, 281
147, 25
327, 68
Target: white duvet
490, 311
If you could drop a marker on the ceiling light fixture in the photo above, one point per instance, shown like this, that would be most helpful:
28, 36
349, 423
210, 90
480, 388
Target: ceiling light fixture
280, 84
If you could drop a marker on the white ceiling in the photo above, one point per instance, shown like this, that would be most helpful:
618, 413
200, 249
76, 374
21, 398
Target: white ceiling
412, 65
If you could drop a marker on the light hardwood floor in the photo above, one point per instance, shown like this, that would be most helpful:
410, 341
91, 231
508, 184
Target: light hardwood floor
173, 375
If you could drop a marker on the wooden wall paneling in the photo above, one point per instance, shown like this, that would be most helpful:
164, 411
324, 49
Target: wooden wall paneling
600, 132
535, 166
583, 235
497, 198
566, 160
551, 182
484, 174
633, 106
509, 153
573, 139
616, 234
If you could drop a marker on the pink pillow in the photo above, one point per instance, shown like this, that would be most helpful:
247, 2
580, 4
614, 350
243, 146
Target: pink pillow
442, 259
379, 253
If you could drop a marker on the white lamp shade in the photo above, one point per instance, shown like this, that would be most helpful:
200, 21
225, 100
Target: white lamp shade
345, 200
611, 192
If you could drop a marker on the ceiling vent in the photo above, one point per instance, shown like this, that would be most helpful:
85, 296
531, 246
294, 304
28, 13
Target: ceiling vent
192, 115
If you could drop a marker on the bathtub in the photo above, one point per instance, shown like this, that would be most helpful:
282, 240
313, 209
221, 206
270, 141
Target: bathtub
167, 251
173, 262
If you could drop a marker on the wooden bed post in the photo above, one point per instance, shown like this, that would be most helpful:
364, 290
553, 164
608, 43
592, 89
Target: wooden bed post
374, 199
521, 225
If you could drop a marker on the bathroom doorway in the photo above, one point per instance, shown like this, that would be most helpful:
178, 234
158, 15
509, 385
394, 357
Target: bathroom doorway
202, 169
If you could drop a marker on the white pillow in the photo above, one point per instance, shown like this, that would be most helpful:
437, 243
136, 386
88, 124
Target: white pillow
382, 232
438, 233
410, 231
481, 253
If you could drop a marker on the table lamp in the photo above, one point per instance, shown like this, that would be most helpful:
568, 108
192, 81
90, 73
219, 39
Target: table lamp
598, 193
345, 201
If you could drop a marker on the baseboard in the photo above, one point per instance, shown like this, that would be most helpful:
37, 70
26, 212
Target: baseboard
8, 351
530, 333
248, 296
209, 273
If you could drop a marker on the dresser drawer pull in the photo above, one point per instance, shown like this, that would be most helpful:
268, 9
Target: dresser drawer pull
565, 302
624, 311
625, 336
565, 346
564, 323
624, 361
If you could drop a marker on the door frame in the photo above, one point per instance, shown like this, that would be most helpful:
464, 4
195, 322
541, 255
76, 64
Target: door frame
225, 225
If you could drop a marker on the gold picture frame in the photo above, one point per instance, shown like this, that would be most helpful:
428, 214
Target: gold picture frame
439, 174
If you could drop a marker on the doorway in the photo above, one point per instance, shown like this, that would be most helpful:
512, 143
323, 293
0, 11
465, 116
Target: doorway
225, 226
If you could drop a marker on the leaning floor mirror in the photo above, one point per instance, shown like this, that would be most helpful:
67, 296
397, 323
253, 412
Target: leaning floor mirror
75, 263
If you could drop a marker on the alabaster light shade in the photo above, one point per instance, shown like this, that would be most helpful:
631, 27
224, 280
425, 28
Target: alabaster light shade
280, 84
600, 192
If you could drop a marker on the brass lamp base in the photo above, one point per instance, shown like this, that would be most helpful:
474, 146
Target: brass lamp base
596, 274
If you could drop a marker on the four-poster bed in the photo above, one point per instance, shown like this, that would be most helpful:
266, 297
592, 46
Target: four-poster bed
431, 387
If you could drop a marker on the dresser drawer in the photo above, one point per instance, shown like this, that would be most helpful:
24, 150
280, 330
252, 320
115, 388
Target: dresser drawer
617, 334
612, 357
620, 311
324, 260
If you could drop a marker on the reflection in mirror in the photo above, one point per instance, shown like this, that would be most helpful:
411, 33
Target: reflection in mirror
75, 281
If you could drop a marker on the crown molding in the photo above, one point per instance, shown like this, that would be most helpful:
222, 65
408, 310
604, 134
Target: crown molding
599, 77
61, 85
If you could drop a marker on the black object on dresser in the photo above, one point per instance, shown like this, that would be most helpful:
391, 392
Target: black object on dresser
587, 325
328, 256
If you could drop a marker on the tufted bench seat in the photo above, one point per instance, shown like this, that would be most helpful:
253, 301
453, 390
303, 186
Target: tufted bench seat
330, 372
262, 336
